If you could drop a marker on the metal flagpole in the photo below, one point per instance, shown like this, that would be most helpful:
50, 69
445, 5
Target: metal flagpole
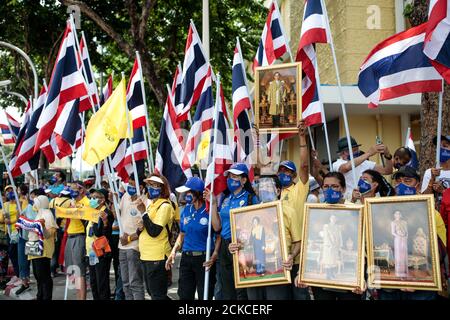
341, 95
322, 110
131, 147
205, 26
208, 242
311, 138
439, 127
147, 125
8, 169
113, 188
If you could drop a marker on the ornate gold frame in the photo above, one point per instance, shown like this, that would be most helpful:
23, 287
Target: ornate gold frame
263, 282
435, 268
360, 271
298, 67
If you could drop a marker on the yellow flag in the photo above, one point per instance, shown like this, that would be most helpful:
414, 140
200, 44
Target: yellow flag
203, 147
107, 127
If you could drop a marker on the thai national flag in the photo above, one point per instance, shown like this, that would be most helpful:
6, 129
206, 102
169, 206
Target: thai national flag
68, 130
397, 67
273, 43
8, 137
202, 124
220, 150
414, 162
176, 85
243, 142
27, 159
107, 90
195, 69
13, 124
314, 30
85, 102
20, 140
169, 154
135, 99
437, 39
66, 86
122, 160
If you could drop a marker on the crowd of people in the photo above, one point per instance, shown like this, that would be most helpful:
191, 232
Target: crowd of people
141, 235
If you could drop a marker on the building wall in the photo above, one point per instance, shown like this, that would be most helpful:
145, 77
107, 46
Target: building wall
365, 129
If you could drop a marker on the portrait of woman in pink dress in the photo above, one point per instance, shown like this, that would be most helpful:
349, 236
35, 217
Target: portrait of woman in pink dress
399, 229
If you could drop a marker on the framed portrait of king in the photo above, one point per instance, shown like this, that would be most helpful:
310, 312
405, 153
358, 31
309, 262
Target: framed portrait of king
332, 254
278, 97
259, 229
402, 243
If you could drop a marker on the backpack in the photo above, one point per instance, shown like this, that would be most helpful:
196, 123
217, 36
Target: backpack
174, 230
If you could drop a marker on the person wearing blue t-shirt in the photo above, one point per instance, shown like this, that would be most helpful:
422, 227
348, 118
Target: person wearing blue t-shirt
239, 194
192, 241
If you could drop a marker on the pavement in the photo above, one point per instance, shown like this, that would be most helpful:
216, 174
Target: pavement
59, 283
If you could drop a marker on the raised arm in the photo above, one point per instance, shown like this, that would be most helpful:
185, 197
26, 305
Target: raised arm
304, 155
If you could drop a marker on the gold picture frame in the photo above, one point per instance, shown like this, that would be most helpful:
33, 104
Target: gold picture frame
330, 261
271, 252
417, 257
291, 98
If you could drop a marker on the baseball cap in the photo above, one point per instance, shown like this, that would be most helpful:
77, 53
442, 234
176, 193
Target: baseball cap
193, 183
154, 179
237, 169
289, 165
406, 171
104, 192
313, 185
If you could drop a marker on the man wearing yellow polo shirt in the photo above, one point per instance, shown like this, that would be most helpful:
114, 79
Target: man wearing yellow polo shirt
75, 252
295, 195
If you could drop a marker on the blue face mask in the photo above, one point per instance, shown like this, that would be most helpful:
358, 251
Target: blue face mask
332, 196
404, 190
188, 198
154, 192
356, 154
364, 186
31, 202
10, 196
74, 194
233, 185
93, 203
131, 190
285, 179
53, 180
444, 155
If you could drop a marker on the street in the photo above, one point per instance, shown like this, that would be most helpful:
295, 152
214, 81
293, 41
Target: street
59, 283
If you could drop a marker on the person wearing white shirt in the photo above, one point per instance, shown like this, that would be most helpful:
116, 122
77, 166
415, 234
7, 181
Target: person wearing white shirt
362, 162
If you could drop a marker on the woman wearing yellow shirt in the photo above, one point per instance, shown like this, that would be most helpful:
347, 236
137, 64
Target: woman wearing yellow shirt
41, 264
154, 245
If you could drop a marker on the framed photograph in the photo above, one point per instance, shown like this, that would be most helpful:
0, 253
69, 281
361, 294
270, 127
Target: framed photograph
332, 254
278, 97
402, 244
260, 229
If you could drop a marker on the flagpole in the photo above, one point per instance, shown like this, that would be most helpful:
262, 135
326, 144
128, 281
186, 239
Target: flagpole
77, 45
131, 147
149, 145
341, 95
8, 169
113, 188
208, 241
408, 133
439, 126
322, 110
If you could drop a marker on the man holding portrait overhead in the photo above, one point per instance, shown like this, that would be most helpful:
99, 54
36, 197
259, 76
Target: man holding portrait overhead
277, 96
